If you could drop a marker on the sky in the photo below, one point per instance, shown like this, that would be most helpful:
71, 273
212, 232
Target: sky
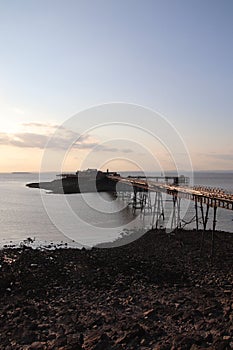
59, 58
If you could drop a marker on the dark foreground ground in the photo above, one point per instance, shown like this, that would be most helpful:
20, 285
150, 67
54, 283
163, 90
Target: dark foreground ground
156, 293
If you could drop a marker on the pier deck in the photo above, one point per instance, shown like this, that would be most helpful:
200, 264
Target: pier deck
213, 197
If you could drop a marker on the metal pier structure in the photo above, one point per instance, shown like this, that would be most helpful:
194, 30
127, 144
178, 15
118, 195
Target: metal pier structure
137, 191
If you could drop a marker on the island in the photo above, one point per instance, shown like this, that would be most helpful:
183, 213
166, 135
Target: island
90, 180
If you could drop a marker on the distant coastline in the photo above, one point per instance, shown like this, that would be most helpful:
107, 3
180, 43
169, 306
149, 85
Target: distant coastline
20, 172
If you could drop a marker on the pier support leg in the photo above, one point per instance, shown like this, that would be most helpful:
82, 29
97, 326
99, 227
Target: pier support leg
134, 199
173, 222
139, 199
158, 210
196, 211
154, 210
213, 231
144, 200
147, 207
178, 213
176, 221
162, 208
204, 221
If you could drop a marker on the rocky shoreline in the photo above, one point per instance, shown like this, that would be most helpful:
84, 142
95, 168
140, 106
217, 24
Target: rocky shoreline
155, 293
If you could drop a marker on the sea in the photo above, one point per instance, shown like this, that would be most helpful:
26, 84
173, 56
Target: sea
30, 216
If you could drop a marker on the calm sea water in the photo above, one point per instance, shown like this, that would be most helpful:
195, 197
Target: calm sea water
81, 220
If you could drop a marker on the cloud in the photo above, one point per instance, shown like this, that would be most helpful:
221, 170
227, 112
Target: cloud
4, 138
55, 137
222, 156
126, 150
28, 140
35, 140
104, 148
41, 125
45, 135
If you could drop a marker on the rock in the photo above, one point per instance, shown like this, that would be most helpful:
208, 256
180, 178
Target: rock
220, 344
184, 342
28, 338
37, 346
197, 347
135, 335
60, 341
151, 314
103, 343
74, 340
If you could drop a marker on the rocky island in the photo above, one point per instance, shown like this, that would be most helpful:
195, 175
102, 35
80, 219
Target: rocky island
90, 180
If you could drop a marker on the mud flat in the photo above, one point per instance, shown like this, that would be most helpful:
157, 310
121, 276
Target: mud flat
155, 293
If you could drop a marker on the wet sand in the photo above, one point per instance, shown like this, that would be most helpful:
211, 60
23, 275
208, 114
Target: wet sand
155, 293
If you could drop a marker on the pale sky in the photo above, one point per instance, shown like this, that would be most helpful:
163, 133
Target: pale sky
58, 58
